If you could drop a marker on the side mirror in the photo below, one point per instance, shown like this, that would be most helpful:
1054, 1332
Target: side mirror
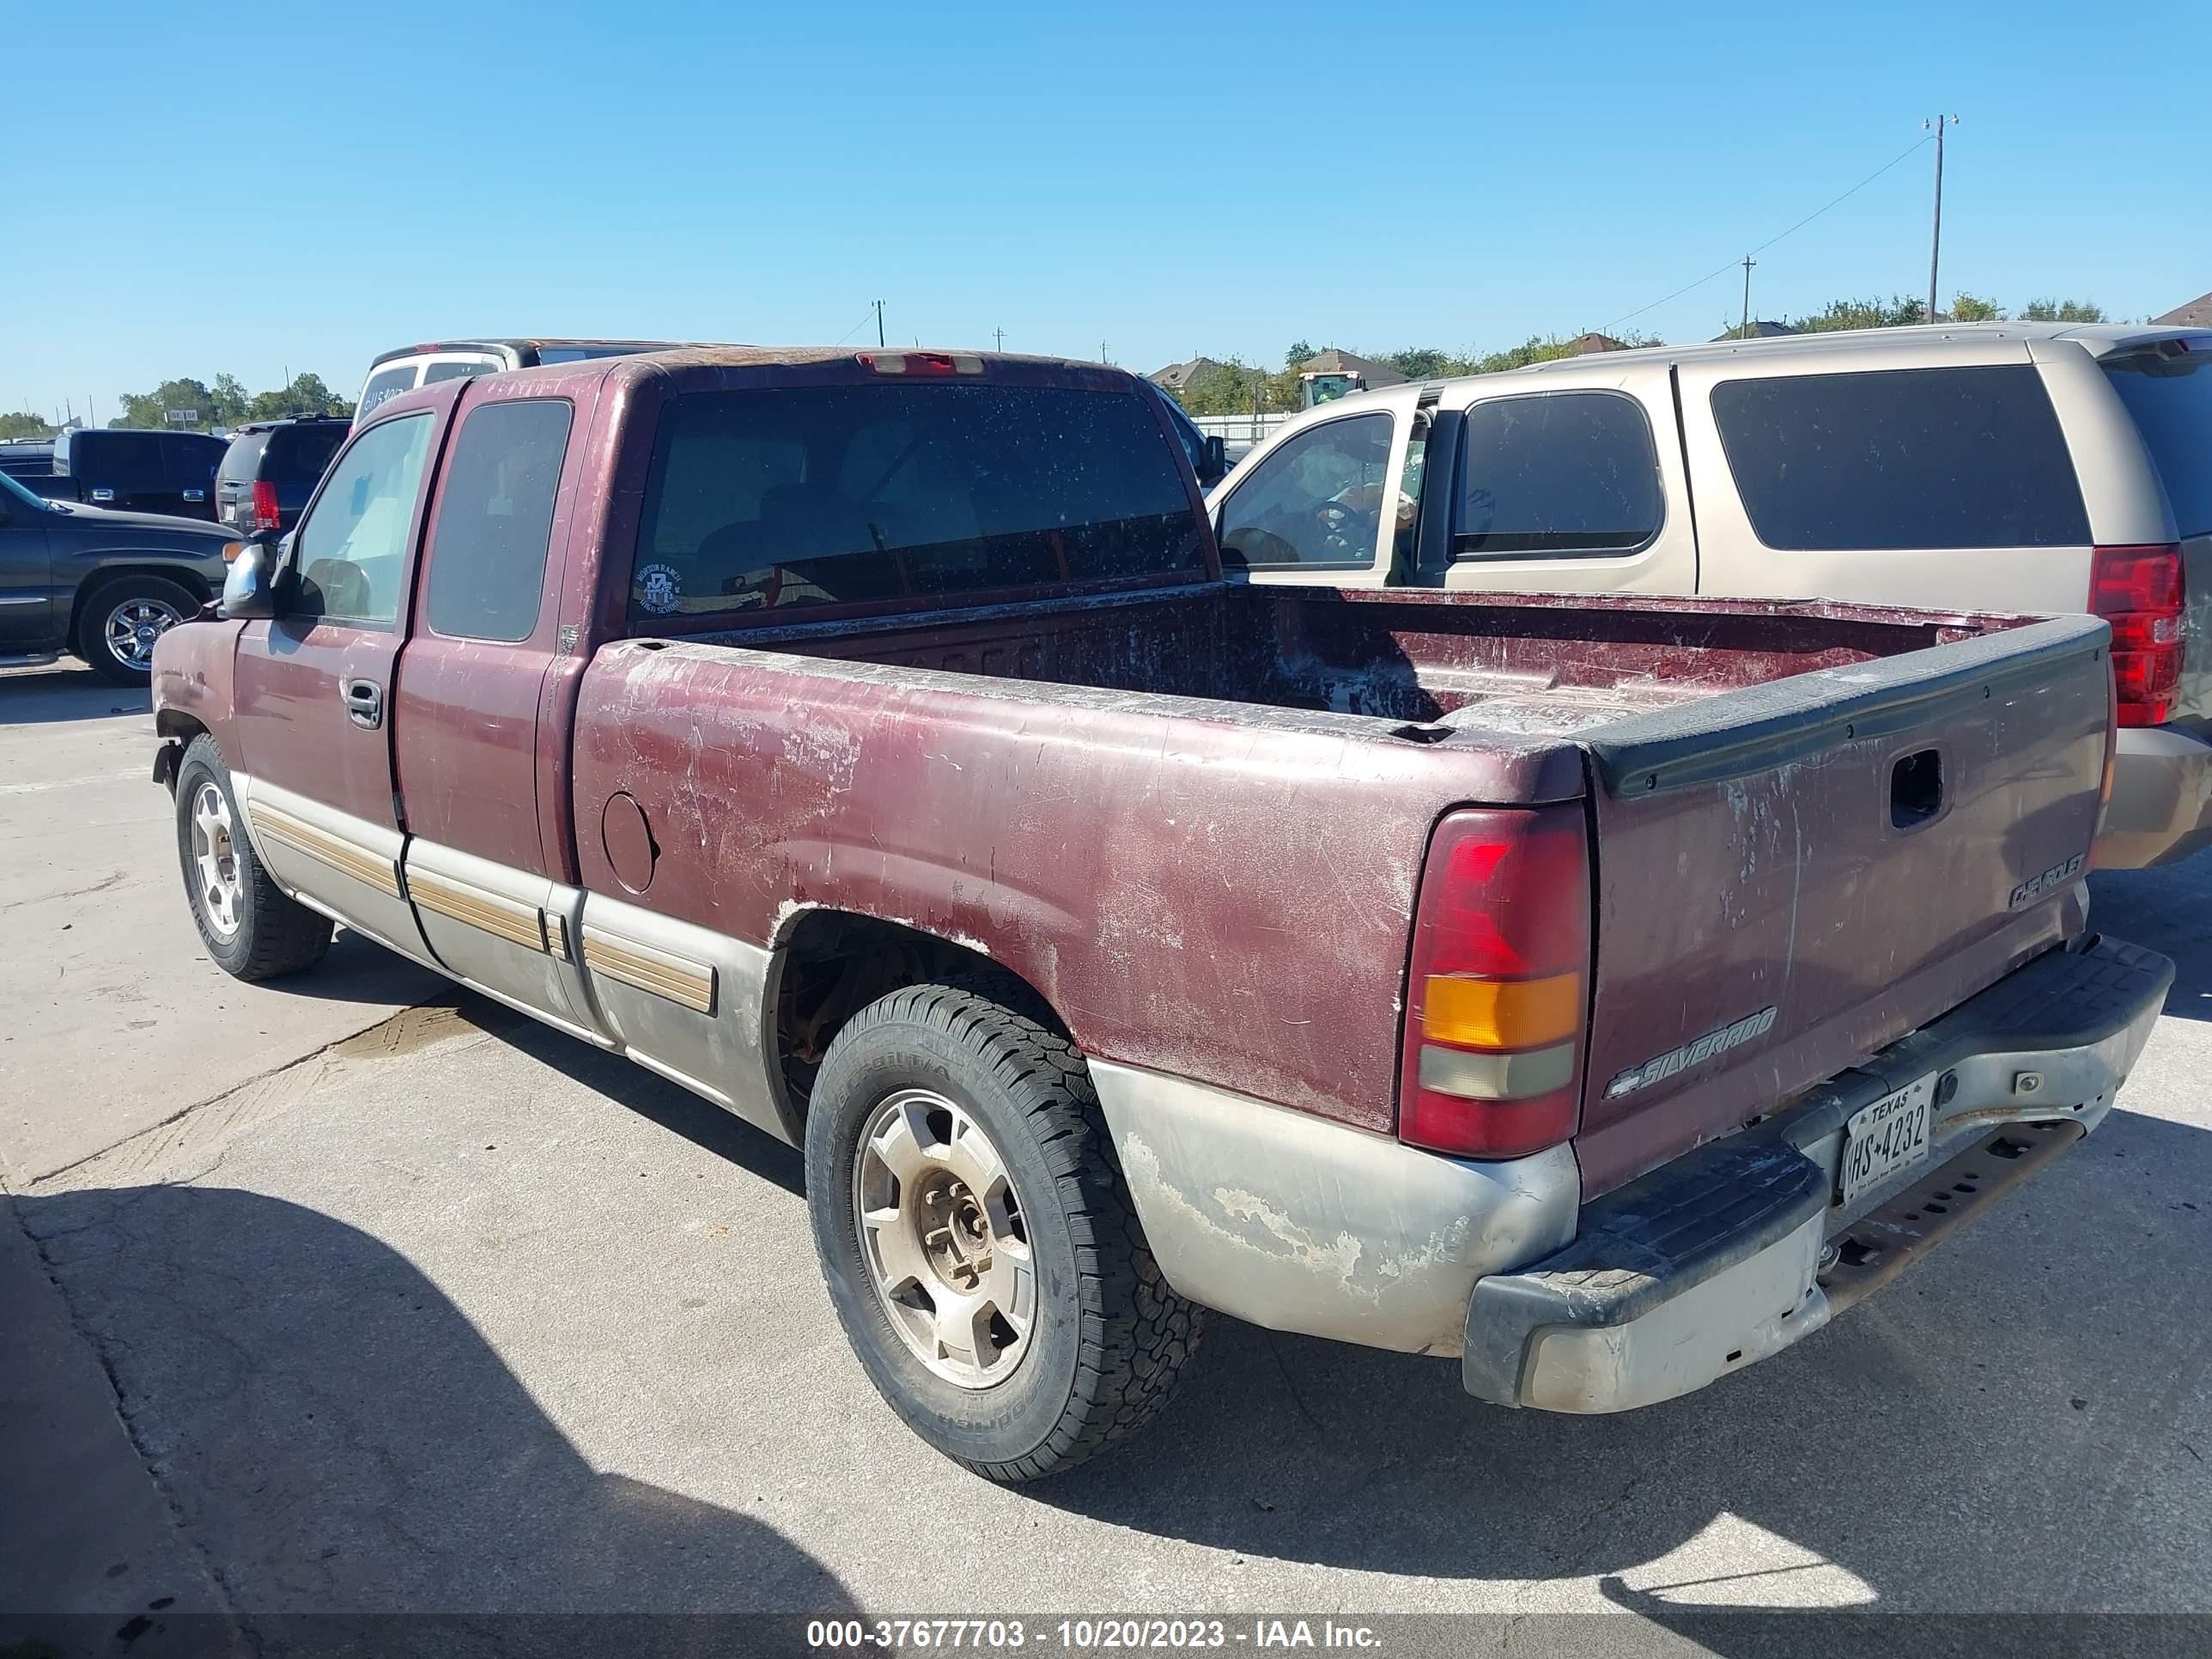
254, 586
1216, 460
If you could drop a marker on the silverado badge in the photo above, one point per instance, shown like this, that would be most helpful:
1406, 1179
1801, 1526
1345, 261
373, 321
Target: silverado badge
1692, 1054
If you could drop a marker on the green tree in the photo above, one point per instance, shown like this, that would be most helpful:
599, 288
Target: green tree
307, 395
1299, 351
1225, 389
1420, 363
1970, 308
24, 424
1893, 313
2064, 311
229, 399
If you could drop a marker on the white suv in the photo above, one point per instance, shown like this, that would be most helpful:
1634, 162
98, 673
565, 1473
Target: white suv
1981, 467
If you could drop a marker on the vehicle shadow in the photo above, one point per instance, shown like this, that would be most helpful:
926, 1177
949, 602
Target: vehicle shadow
2167, 910
66, 691
2017, 1423
337, 1435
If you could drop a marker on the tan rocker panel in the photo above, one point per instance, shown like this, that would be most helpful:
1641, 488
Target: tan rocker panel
340, 854
474, 908
677, 978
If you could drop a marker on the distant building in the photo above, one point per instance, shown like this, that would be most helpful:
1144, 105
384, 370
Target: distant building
1178, 377
1761, 330
1583, 345
1333, 362
2197, 313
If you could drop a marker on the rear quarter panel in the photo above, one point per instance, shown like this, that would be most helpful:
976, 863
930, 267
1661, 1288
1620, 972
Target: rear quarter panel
1218, 891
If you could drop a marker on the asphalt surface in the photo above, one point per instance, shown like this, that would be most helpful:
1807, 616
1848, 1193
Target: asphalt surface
445, 1312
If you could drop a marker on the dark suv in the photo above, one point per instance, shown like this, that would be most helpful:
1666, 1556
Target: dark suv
270, 470
132, 470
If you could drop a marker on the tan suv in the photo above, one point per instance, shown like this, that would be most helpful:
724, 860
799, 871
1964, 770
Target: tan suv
1984, 466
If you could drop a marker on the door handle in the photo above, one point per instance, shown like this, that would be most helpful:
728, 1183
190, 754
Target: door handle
196, 494
364, 702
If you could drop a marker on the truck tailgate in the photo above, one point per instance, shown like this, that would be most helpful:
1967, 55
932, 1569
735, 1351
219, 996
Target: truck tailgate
1791, 875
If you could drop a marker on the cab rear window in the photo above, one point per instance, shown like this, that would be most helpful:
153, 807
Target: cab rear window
781, 500
2170, 398
1912, 458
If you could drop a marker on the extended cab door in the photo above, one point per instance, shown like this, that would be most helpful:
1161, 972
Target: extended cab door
313, 687
1567, 481
484, 855
26, 576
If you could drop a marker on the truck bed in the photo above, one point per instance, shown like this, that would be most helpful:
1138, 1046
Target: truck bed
1519, 665
1195, 818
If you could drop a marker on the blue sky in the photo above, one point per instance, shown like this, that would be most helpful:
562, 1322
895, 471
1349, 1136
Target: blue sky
247, 189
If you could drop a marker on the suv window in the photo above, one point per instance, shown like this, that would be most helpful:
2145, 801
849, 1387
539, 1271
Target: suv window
189, 458
1317, 500
239, 460
1901, 458
126, 461
384, 383
433, 372
351, 547
814, 495
1561, 472
496, 521
297, 454
2170, 398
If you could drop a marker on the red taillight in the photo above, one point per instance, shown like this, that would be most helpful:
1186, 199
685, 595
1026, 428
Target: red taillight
2139, 591
265, 516
919, 363
1498, 986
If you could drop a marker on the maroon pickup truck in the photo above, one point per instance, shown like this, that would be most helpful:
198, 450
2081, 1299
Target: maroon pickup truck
1604, 992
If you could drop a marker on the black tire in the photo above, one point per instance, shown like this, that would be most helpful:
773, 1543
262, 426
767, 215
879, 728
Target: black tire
1110, 1339
177, 601
274, 934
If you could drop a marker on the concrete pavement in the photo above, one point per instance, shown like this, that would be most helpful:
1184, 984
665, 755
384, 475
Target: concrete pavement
459, 1314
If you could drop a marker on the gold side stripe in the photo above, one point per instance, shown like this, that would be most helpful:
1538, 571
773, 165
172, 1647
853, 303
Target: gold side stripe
503, 917
321, 845
692, 983
556, 935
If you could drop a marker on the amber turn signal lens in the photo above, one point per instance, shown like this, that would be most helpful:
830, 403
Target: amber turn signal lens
1501, 1013
232, 550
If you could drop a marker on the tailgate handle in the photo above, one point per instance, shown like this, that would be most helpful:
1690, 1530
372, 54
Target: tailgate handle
1915, 789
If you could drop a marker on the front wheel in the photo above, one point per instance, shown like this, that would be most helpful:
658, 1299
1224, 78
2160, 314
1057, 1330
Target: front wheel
251, 930
118, 624
977, 1241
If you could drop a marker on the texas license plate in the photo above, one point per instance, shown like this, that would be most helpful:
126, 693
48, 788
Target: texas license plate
1890, 1135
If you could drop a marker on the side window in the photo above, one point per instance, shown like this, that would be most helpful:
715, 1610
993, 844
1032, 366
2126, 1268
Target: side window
495, 521
188, 461
1557, 473
1316, 501
351, 548
384, 383
128, 461
1901, 458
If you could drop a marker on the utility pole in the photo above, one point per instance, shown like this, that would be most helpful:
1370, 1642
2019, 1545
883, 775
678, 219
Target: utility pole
1744, 332
879, 322
1102, 357
1935, 235
998, 338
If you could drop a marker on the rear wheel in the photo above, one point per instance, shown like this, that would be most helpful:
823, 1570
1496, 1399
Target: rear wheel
251, 929
977, 1240
119, 622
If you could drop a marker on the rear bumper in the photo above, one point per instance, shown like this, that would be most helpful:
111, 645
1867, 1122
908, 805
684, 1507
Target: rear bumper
1736, 1250
2162, 805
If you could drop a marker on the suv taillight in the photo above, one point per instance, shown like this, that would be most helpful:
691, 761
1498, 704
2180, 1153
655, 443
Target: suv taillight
1498, 992
2138, 590
265, 516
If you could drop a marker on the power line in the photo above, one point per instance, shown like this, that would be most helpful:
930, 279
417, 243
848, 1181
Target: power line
866, 317
1723, 270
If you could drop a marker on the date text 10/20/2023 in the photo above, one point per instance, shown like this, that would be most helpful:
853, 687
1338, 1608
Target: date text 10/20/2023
1085, 1635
